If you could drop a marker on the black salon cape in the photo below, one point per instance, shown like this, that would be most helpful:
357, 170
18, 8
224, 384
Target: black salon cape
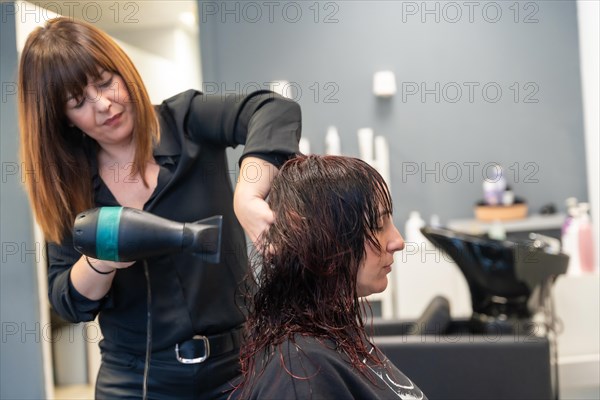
322, 372
189, 296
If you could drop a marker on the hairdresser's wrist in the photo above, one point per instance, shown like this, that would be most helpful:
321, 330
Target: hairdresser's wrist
98, 267
106, 266
249, 205
89, 283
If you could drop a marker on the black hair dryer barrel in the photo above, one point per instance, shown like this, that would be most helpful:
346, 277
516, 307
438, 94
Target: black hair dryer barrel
129, 234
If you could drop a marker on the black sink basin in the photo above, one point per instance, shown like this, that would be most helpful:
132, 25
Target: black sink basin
501, 275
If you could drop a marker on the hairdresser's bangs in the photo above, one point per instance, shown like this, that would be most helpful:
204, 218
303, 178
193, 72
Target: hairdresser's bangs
71, 78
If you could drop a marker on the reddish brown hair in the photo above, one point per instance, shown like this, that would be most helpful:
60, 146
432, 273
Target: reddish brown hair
57, 61
327, 208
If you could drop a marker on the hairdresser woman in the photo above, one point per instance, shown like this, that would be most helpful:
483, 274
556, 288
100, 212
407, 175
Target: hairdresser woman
92, 138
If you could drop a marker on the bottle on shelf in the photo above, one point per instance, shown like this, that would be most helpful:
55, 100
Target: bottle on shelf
494, 187
332, 142
570, 238
412, 230
571, 203
586, 242
497, 230
508, 197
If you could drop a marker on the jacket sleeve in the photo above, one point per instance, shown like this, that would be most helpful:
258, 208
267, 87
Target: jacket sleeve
268, 124
64, 298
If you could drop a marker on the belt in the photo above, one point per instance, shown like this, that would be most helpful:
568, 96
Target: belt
200, 347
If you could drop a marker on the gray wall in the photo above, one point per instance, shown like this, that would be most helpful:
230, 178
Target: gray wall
21, 375
535, 132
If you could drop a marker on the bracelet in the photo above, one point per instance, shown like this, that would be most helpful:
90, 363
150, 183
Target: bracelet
98, 271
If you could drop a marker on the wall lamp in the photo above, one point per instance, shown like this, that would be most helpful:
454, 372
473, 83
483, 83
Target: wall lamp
384, 84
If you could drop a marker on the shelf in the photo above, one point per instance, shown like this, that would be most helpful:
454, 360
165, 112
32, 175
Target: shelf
532, 223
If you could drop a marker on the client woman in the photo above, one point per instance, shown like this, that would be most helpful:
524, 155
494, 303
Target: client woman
332, 242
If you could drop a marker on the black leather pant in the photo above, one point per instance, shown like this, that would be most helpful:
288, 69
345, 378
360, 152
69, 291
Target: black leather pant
121, 377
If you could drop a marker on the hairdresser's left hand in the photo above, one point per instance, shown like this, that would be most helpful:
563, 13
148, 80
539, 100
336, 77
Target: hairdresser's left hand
249, 203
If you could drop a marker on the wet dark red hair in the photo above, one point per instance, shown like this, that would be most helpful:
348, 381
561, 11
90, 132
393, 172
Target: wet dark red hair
326, 209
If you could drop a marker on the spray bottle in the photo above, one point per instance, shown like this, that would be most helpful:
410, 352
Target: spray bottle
586, 242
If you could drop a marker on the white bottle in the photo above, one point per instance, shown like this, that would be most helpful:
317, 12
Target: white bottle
304, 146
381, 162
365, 144
570, 242
497, 231
332, 142
412, 230
508, 197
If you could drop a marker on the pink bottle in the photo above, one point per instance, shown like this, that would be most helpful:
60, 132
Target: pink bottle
586, 242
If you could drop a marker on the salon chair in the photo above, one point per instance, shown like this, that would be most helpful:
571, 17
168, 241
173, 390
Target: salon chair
506, 349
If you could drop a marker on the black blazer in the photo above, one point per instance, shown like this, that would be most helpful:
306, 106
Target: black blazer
188, 296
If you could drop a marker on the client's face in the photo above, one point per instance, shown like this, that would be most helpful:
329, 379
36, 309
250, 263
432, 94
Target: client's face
372, 274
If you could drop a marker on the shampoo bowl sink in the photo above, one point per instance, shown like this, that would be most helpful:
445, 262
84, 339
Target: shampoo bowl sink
501, 275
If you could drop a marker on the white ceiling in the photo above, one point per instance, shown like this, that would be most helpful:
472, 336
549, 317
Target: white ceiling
119, 15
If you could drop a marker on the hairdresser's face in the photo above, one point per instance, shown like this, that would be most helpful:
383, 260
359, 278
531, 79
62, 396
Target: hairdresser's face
105, 112
372, 273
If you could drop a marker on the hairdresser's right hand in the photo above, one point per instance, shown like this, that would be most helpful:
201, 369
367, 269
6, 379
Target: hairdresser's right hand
93, 278
107, 266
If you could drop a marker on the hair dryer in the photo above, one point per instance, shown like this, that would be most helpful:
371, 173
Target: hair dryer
129, 234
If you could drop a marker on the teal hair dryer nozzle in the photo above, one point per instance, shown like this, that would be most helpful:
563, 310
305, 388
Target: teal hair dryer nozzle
129, 234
